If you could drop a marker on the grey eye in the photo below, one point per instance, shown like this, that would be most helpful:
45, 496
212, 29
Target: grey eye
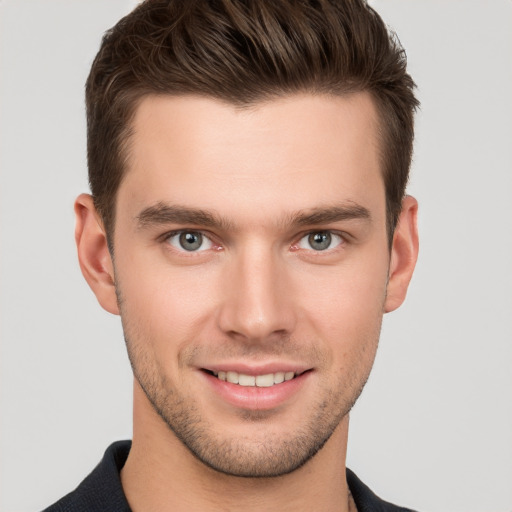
190, 241
320, 241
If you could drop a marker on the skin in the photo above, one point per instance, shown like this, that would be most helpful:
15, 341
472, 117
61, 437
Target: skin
256, 295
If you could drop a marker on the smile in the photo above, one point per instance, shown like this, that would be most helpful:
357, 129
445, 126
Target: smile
250, 388
260, 381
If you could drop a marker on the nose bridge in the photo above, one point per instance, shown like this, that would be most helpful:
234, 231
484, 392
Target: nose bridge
256, 304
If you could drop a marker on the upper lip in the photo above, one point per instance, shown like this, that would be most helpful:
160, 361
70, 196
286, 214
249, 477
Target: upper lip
257, 369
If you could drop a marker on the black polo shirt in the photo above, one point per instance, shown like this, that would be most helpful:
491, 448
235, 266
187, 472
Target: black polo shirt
101, 491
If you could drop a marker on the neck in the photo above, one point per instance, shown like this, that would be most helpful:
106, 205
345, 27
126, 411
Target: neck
162, 474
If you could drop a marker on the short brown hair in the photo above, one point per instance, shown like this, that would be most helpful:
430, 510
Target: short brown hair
242, 52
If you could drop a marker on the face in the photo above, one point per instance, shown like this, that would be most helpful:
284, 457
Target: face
251, 264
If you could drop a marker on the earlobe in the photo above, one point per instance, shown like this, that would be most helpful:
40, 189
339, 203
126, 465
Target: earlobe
93, 254
404, 254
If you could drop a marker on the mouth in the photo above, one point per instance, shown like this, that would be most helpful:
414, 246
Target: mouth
261, 381
268, 387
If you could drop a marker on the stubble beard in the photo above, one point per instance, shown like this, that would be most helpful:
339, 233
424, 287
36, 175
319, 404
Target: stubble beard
269, 456
244, 456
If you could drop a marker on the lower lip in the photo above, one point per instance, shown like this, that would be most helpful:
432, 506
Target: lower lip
253, 397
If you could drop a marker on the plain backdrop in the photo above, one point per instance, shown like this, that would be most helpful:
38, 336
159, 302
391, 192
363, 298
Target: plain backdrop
433, 428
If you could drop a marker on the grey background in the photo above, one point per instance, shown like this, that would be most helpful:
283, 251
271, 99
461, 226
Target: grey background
433, 429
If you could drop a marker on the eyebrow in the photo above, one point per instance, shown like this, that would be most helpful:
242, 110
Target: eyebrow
163, 213
324, 215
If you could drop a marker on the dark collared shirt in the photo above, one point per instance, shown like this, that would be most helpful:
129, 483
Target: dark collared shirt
101, 491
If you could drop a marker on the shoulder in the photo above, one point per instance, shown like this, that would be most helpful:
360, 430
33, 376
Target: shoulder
366, 500
101, 490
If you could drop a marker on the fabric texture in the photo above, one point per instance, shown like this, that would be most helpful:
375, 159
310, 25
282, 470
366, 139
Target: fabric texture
101, 491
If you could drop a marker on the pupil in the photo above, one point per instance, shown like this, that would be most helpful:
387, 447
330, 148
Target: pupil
191, 241
320, 241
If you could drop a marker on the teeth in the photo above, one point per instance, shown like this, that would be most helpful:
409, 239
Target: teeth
246, 380
265, 381
232, 377
278, 377
261, 381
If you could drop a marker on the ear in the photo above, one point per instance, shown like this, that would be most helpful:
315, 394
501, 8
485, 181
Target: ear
93, 254
404, 254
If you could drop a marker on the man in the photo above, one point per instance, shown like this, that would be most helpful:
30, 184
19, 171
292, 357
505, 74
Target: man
248, 222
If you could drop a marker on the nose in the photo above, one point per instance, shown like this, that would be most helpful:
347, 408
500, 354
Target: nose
257, 304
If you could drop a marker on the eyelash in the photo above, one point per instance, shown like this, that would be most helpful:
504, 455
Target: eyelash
332, 236
205, 237
296, 246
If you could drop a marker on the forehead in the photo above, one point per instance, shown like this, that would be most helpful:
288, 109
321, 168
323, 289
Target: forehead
296, 152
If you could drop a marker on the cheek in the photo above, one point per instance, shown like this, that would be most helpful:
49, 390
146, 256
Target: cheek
352, 292
162, 302
345, 309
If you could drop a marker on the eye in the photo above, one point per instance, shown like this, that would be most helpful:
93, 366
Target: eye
190, 241
320, 241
